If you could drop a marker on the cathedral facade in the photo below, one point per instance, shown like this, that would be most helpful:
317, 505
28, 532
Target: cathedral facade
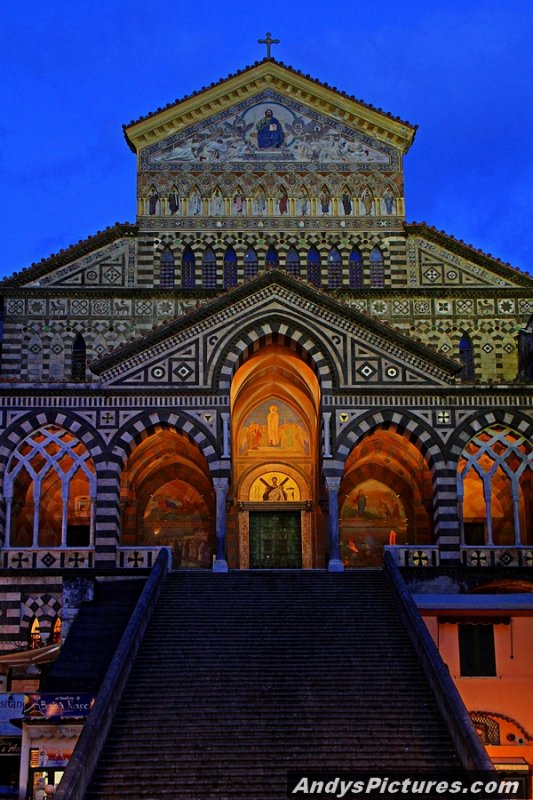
270, 368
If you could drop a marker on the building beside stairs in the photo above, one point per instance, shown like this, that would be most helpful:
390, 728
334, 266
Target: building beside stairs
272, 369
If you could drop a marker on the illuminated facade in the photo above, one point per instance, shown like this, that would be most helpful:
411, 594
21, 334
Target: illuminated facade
270, 369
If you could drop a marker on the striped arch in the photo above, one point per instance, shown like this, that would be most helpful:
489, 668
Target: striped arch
306, 343
419, 433
31, 422
147, 423
413, 428
469, 428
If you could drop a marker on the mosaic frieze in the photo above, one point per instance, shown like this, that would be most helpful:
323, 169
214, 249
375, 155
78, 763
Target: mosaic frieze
268, 128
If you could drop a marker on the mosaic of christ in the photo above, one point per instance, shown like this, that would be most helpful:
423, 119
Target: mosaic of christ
273, 424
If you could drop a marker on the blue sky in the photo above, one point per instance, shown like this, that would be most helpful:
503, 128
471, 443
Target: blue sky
74, 72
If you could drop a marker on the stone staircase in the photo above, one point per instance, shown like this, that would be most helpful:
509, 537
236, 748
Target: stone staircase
243, 676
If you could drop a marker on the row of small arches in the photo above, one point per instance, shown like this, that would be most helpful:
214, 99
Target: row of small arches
310, 269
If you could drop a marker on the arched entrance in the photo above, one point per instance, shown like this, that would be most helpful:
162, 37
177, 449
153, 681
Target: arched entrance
385, 497
167, 499
275, 398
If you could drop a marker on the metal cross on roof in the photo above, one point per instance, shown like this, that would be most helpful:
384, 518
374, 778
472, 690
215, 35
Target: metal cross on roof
269, 42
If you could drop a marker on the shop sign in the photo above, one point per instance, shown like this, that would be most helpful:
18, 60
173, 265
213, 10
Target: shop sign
57, 706
11, 706
10, 746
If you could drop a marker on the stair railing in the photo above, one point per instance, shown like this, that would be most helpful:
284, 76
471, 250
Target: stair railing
470, 750
80, 768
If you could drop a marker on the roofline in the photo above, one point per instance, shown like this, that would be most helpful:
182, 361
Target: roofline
265, 278
468, 251
127, 126
71, 253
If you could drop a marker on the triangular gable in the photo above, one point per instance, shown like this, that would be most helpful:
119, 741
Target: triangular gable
439, 260
191, 353
248, 86
103, 260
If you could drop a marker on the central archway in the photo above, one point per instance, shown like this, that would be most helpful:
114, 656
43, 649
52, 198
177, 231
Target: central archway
275, 398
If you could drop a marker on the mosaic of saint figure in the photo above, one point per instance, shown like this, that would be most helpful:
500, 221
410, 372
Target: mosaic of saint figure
269, 131
273, 426
274, 492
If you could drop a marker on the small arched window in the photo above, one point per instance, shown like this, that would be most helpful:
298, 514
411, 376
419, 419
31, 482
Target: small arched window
525, 352
188, 263
313, 266
466, 357
35, 635
356, 269
272, 258
230, 268
293, 263
334, 268
79, 358
377, 273
166, 269
209, 269
56, 631
250, 263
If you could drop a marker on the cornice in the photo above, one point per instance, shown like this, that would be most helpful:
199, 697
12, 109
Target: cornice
253, 79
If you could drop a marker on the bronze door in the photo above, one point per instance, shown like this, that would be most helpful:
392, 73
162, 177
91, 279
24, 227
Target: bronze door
275, 540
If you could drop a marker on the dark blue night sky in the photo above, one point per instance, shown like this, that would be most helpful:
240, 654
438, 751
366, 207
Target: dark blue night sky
74, 72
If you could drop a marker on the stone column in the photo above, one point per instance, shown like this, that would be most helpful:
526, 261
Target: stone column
326, 426
335, 564
221, 490
226, 452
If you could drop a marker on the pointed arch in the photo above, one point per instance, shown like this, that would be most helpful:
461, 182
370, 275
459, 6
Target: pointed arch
334, 269
209, 269
466, 357
188, 267
377, 269
271, 258
356, 269
79, 358
250, 263
167, 269
525, 352
313, 266
230, 268
293, 262
35, 640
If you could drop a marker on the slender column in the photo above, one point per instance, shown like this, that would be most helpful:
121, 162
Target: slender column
221, 490
64, 513
225, 435
36, 504
335, 564
326, 424
487, 494
460, 509
516, 510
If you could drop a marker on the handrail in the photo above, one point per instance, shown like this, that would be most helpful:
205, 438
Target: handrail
80, 768
470, 750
